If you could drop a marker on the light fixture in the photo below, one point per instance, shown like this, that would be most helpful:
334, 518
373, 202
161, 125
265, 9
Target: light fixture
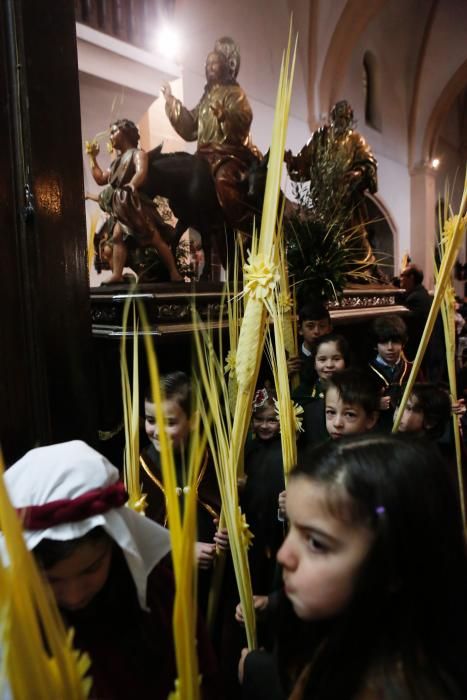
435, 163
168, 42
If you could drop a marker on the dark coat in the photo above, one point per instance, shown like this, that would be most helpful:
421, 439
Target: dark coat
131, 650
259, 501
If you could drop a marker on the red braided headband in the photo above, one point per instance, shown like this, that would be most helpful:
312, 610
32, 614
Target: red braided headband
70, 510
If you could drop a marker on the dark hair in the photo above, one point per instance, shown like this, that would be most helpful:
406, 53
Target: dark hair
356, 386
130, 129
390, 327
176, 386
434, 402
50, 552
341, 344
313, 311
407, 617
415, 272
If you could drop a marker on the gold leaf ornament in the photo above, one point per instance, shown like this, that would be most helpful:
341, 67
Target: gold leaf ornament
285, 302
246, 534
140, 504
230, 362
92, 148
298, 414
450, 226
261, 276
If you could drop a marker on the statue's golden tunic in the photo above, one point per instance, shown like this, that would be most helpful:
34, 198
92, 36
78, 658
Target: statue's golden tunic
201, 124
220, 123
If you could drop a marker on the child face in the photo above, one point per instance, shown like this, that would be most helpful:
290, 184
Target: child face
390, 351
345, 418
412, 420
77, 579
177, 424
328, 360
265, 423
312, 330
321, 556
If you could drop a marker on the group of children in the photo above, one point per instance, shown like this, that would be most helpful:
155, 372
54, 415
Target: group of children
361, 398
359, 567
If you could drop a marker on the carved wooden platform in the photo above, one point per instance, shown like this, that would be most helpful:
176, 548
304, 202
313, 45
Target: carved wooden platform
169, 306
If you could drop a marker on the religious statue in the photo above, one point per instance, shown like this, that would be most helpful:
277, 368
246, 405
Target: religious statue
340, 167
220, 123
128, 201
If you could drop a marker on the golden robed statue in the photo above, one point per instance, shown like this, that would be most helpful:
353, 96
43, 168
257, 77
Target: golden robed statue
220, 123
340, 167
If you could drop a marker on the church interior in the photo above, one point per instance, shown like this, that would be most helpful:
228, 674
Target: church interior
142, 142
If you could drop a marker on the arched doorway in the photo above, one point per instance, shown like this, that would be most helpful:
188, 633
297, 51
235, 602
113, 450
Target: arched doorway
381, 233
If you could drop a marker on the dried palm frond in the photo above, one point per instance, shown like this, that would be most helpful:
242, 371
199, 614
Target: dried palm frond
130, 395
212, 392
449, 326
261, 275
182, 533
457, 226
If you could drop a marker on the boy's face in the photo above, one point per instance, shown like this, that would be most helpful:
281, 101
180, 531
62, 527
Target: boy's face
345, 418
312, 330
390, 351
177, 424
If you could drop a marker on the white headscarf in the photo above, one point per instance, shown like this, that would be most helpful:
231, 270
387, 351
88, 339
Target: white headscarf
68, 470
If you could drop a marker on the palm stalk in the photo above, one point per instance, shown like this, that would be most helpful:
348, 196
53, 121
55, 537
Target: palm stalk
130, 395
458, 224
213, 400
182, 535
449, 326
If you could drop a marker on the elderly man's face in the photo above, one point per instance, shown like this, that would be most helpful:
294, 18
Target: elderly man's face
341, 116
407, 280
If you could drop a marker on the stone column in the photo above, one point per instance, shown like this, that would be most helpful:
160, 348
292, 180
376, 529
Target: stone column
423, 219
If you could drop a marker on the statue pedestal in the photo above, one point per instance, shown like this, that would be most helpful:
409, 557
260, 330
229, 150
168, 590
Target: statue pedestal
169, 307
363, 302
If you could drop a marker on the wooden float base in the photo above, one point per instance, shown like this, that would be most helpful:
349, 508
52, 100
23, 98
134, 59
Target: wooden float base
169, 306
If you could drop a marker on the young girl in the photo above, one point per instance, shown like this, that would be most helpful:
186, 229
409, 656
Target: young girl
375, 577
331, 356
177, 407
264, 481
101, 561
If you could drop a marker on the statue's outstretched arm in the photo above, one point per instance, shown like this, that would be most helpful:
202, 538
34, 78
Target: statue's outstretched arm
100, 177
184, 121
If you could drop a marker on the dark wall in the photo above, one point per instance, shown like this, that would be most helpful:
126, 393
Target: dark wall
45, 332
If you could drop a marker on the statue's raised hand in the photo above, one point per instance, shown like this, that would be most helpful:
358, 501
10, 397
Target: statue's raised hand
92, 148
166, 90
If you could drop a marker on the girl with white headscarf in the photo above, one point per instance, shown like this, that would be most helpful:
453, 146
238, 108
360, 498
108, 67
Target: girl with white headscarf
101, 560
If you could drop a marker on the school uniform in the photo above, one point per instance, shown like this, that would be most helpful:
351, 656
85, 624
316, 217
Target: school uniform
259, 501
390, 380
208, 503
